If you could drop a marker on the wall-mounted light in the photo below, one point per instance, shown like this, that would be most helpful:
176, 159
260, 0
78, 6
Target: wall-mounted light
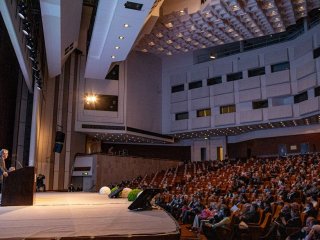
91, 99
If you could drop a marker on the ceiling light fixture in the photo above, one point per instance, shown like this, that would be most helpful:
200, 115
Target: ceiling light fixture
121, 37
113, 56
126, 25
117, 47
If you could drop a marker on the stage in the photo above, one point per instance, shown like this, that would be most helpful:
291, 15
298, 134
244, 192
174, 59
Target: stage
78, 215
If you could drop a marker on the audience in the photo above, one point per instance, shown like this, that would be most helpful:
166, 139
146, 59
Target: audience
287, 187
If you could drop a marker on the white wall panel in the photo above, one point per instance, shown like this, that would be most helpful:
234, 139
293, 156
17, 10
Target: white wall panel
248, 83
200, 73
201, 122
179, 96
249, 95
199, 92
307, 82
221, 88
275, 56
277, 77
179, 107
309, 106
251, 116
248, 62
223, 99
222, 67
278, 90
104, 87
277, 112
200, 103
177, 79
305, 69
179, 125
302, 47
225, 119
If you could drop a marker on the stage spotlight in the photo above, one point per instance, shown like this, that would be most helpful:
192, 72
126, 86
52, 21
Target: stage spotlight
30, 45
26, 30
39, 84
35, 68
22, 7
33, 56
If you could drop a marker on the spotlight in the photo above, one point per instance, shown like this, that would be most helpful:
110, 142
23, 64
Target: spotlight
39, 84
26, 30
22, 7
33, 56
35, 68
30, 45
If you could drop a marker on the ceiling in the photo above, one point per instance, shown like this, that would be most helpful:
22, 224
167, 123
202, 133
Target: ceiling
216, 22
162, 27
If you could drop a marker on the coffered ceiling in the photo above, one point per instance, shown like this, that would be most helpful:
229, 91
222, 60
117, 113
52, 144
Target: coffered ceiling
219, 22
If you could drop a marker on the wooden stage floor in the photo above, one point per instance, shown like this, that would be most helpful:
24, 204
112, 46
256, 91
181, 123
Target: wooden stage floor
63, 215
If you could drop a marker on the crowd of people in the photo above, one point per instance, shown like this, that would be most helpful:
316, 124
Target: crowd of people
268, 198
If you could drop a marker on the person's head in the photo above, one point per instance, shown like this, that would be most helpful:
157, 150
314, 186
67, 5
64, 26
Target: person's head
311, 221
225, 210
4, 153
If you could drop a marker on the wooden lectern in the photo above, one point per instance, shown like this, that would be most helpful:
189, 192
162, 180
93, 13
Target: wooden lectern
18, 187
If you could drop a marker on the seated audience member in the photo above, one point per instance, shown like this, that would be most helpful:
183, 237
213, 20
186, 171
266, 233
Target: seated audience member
310, 211
293, 222
210, 229
314, 233
302, 234
251, 216
193, 209
205, 214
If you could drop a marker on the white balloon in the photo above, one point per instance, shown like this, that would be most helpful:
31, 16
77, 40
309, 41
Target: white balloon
104, 190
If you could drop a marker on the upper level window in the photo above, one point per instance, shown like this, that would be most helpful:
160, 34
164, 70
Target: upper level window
178, 88
101, 102
317, 92
227, 109
301, 97
256, 72
234, 76
214, 80
280, 67
204, 112
197, 84
182, 115
316, 52
260, 104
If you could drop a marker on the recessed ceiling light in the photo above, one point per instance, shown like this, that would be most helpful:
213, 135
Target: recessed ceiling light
117, 47
126, 25
121, 37
113, 56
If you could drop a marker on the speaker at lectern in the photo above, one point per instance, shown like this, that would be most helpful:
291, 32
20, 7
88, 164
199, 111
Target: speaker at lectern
18, 187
